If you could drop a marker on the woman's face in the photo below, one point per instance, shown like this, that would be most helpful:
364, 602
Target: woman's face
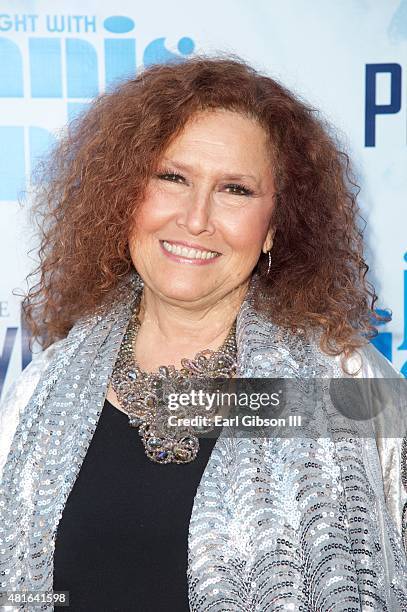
212, 197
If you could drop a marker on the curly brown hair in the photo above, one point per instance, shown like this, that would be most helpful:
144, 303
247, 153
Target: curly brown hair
96, 176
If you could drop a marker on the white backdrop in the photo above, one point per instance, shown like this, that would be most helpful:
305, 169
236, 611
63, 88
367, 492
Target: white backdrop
346, 58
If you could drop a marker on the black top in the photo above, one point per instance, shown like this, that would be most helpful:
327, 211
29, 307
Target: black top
122, 542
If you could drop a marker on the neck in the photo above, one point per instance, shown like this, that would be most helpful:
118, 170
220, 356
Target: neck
189, 326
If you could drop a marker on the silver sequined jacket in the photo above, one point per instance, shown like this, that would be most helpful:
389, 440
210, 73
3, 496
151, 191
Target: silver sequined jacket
311, 524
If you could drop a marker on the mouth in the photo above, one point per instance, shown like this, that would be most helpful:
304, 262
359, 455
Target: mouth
187, 252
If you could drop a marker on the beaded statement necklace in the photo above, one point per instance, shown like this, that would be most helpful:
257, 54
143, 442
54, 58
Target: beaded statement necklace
144, 395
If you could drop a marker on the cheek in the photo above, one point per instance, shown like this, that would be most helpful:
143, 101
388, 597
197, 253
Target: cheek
150, 217
246, 231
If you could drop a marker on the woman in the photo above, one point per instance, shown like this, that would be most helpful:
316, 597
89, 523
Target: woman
199, 207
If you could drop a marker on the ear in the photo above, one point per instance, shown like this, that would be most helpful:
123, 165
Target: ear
268, 242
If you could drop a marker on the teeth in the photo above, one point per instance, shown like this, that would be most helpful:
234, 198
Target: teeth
187, 252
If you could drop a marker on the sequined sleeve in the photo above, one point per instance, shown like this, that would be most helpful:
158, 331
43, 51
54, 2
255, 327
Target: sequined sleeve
17, 397
391, 450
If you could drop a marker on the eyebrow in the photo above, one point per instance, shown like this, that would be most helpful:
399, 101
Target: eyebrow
226, 175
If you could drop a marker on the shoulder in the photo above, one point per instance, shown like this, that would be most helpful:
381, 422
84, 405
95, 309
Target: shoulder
18, 396
368, 362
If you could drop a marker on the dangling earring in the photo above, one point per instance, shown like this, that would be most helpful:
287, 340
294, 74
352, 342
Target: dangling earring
269, 256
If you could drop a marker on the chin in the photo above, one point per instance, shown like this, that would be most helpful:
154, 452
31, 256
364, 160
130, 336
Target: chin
182, 290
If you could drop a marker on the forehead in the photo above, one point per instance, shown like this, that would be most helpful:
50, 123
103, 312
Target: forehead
222, 132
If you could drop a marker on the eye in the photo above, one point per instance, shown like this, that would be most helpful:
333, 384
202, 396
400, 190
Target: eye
239, 189
172, 177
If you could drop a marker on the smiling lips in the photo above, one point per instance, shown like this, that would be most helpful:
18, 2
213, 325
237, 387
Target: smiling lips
180, 252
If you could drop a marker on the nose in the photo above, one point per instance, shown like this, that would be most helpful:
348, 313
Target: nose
195, 215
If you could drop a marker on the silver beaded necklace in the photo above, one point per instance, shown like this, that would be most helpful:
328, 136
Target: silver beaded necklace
144, 395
